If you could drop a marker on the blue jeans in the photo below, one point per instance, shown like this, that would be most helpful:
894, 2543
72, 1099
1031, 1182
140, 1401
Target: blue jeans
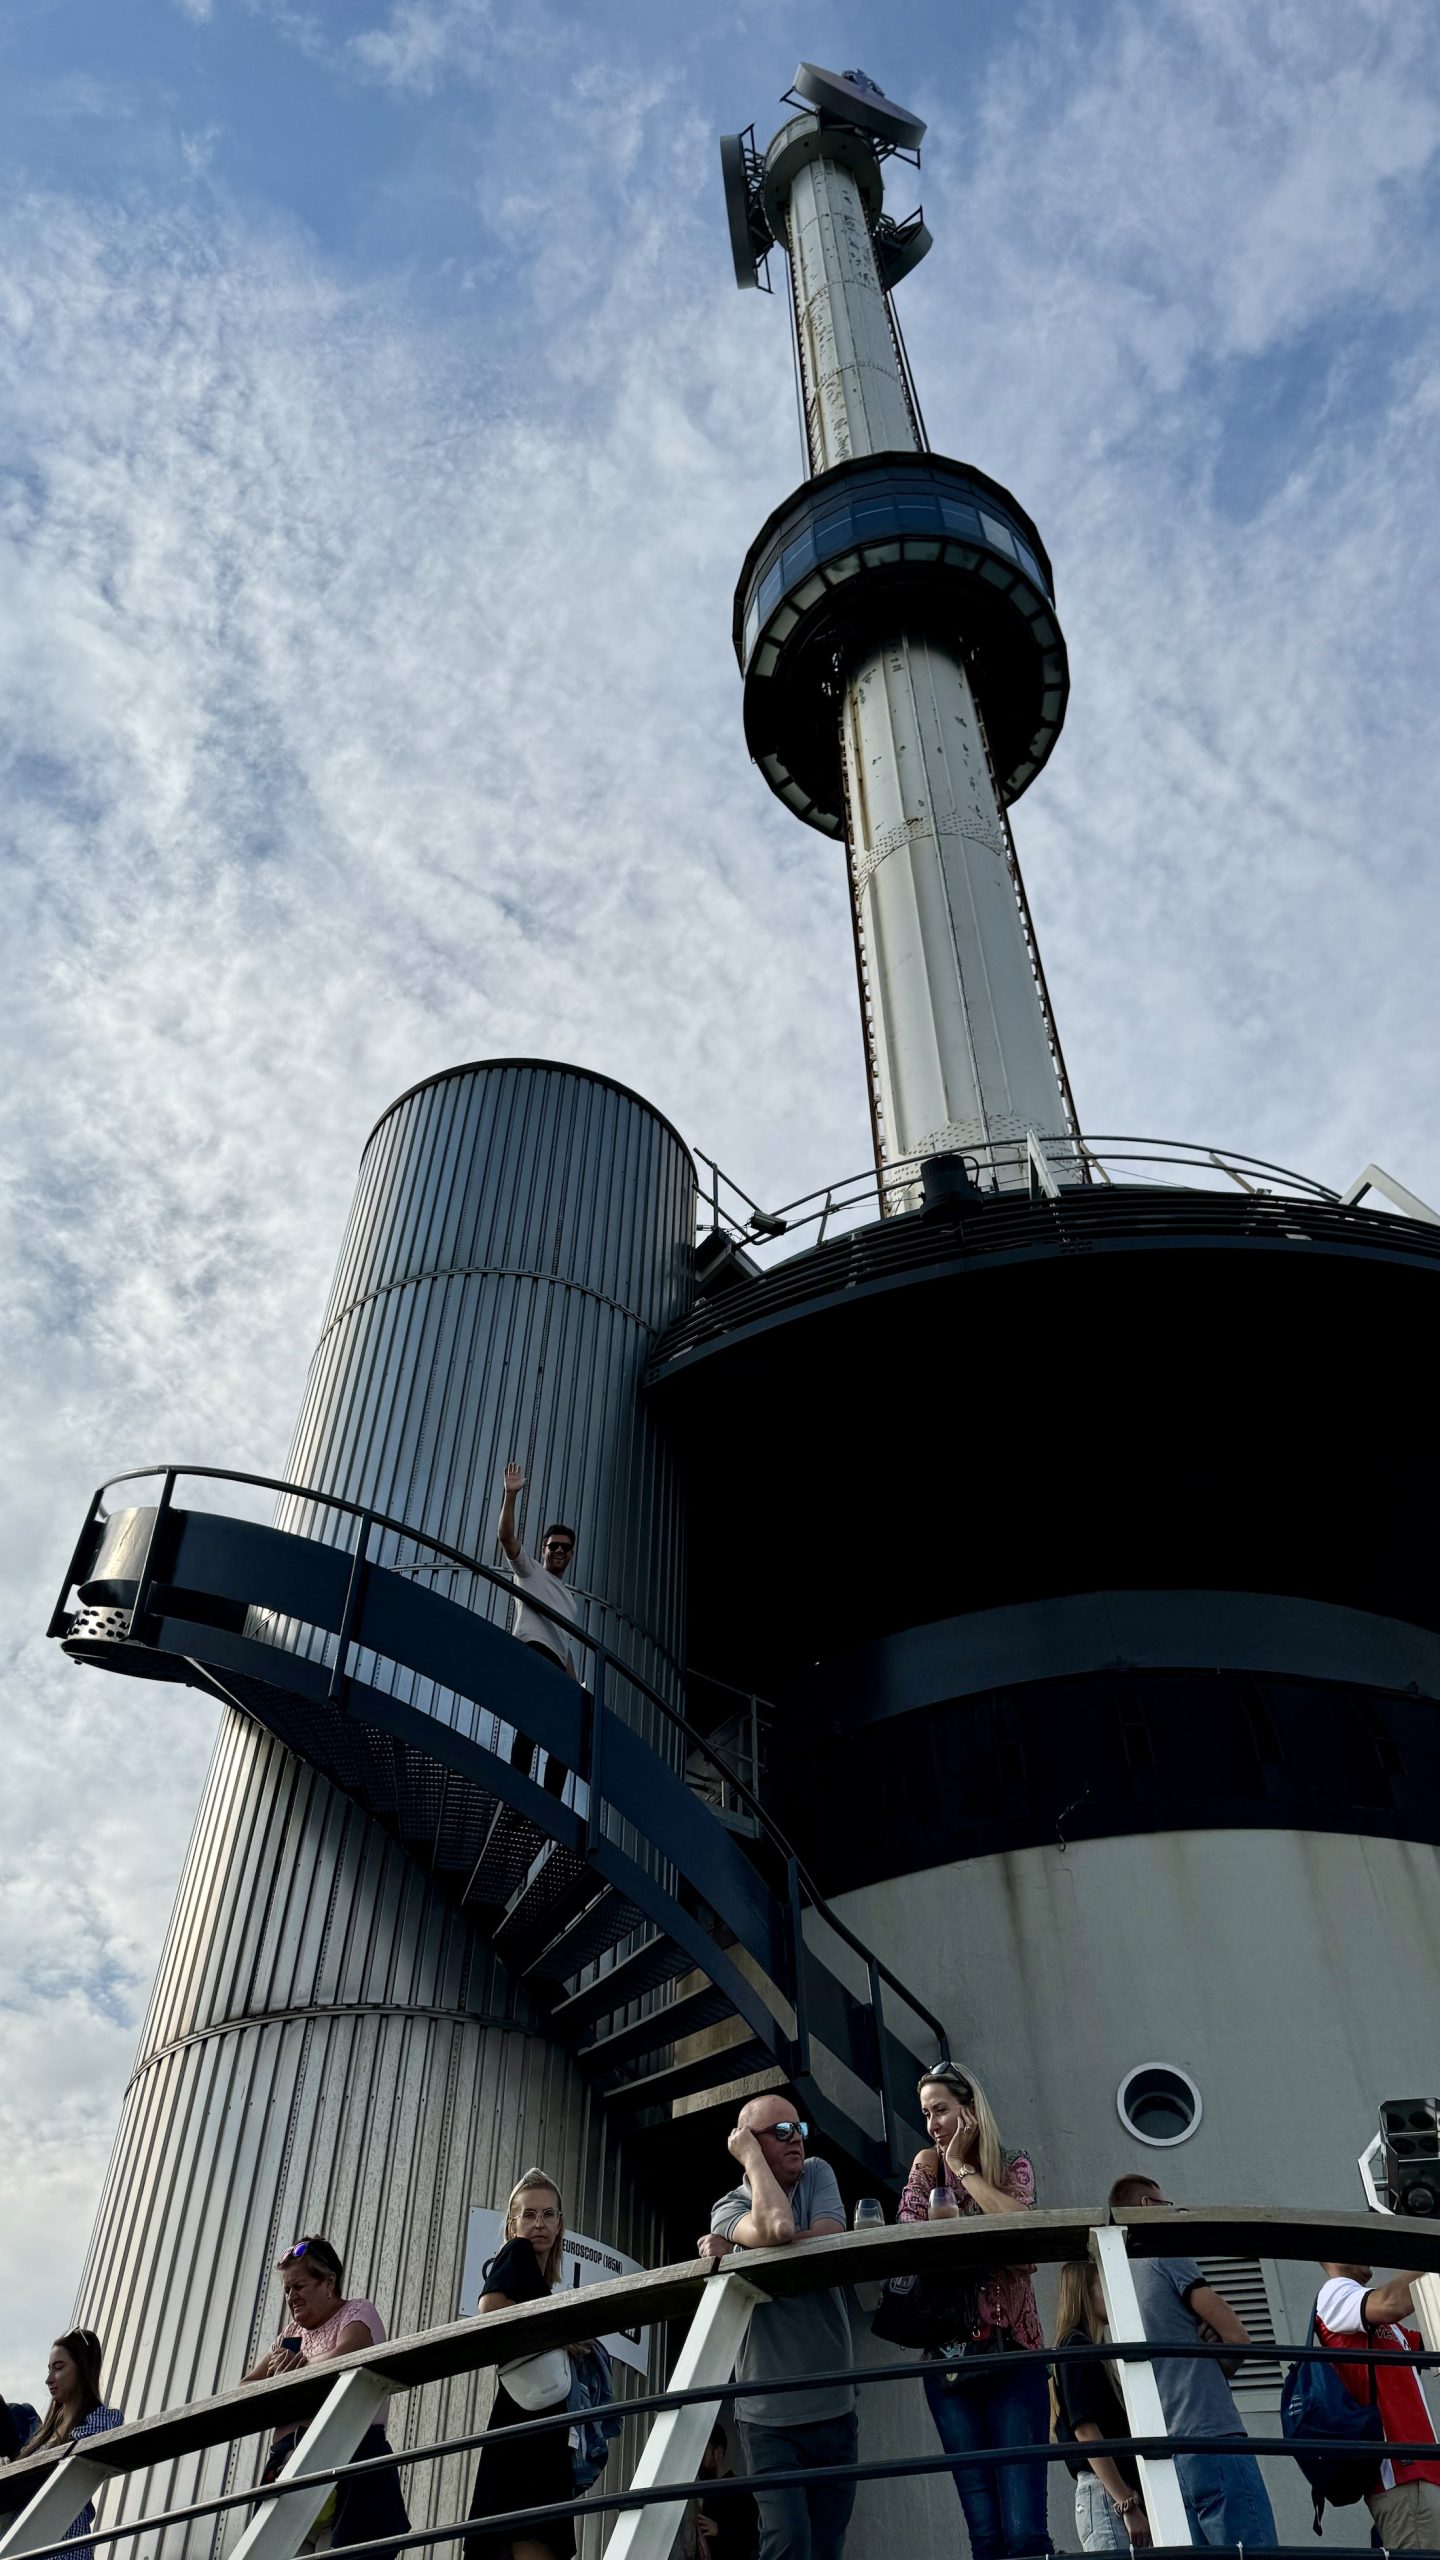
1097, 2521
1004, 2502
803, 2523
1225, 2498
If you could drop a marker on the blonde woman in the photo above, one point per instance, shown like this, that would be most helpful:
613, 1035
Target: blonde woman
1004, 2502
538, 2471
1109, 2510
77, 2406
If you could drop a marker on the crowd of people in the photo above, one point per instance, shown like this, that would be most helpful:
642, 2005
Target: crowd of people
986, 2379
795, 2395
963, 2329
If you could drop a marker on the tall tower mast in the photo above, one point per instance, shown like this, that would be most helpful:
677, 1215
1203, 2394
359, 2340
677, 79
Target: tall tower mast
905, 676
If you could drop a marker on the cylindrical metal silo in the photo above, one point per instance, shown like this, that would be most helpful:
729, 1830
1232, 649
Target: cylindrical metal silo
330, 2044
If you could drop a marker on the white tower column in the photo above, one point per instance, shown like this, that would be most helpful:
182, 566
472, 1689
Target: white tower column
961, 1050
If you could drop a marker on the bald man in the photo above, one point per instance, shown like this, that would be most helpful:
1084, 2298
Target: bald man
783, 2201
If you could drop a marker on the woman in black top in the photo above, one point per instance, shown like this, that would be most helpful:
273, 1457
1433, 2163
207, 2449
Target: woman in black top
536, 2472
1109, 2510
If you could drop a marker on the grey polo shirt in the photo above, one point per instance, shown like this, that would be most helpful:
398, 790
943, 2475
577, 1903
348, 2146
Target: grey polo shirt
808, 2334
1194, 2396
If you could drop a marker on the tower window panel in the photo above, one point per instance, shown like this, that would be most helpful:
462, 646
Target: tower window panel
960, 519
832, 532
797, 557
998, 535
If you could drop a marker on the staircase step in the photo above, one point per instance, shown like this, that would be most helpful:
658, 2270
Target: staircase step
665, 2024
590, 1935
655, 1961
685, 2079
507, 1853
552, 1896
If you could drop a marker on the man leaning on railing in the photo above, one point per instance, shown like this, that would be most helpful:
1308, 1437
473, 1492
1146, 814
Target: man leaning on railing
785, 2198
1225, 2497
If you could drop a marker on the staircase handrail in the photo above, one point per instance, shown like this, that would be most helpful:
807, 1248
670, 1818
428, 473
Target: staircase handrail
170, 1472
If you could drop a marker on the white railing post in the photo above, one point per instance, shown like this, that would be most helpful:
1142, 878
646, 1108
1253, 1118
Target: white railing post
343, 2418
1038, 1171
1159, 2482
677, 2440
55, 2505
1375, 1178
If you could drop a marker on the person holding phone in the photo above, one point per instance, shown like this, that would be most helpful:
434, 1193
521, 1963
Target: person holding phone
323, 2321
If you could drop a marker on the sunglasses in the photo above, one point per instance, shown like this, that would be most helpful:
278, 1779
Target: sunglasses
785, 2130
322, 2256
949, 2078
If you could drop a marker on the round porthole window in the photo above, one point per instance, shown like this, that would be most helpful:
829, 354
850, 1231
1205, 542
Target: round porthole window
1159, 2103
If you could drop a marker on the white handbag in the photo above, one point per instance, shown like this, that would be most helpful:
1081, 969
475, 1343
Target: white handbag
538, 2382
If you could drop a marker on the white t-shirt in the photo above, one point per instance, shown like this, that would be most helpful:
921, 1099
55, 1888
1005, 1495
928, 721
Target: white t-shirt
529, 1626
1340, 2304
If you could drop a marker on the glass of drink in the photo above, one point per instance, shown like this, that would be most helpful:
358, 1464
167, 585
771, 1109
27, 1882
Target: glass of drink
943, 2207
869, 2213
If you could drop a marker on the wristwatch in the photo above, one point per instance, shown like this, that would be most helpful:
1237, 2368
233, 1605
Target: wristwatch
1127, 2506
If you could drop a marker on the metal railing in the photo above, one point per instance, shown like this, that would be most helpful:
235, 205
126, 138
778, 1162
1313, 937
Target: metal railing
334, 2405
724, 1206
794, 1883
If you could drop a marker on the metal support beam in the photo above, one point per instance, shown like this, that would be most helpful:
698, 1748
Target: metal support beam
332, 2437
1159, 2482
55, 2506
678, 2438
1375, 1178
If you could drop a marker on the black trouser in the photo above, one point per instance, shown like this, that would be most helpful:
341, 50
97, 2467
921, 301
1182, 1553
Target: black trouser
365, 2508
523, 1750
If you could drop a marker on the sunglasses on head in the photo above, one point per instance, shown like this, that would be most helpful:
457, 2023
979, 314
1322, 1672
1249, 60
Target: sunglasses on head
949, 2078
785, 2130
316, 2249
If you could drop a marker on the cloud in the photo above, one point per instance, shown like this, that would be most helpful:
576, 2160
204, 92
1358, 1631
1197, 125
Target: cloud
369, 705
421, 41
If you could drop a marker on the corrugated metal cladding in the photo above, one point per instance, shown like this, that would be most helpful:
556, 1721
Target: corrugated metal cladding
329, 2046
520, 1235
327, 2049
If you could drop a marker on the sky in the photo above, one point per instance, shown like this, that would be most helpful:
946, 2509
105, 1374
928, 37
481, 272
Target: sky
380, 437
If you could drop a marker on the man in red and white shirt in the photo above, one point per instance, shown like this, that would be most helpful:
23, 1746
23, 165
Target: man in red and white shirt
1351, 2310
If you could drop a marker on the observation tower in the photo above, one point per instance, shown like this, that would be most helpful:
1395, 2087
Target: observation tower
905, 674
1097, 1738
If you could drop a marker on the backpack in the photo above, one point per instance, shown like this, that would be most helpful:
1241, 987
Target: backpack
1315, 2403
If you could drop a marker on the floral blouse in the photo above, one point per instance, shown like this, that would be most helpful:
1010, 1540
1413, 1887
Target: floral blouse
1007, 2298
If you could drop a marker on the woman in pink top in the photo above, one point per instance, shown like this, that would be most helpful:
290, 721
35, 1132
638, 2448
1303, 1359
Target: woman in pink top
1004, 2502
322, 2321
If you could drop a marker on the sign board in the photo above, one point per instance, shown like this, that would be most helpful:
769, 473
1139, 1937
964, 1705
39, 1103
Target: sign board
585, 2262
